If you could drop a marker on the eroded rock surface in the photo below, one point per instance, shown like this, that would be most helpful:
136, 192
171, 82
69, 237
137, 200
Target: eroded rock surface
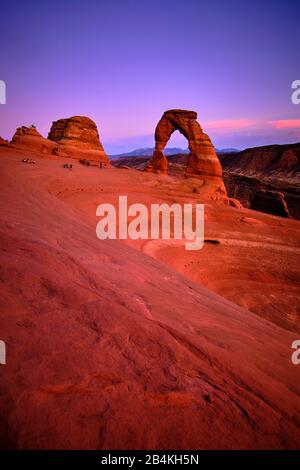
265, 178
114, 347
3, 142
203, 161
28, 138
79, 138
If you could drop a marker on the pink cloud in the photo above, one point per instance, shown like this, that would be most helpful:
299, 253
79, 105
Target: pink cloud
286, 124
228, 124
243, 133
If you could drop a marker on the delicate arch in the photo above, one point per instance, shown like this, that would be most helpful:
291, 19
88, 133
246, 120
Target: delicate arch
202, 160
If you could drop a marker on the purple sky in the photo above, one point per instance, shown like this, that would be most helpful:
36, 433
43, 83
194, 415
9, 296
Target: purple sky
123, 63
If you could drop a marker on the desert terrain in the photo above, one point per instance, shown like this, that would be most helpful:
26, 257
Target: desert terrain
121, 344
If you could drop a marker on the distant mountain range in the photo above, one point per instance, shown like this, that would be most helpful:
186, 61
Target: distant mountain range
148, 151
227, 150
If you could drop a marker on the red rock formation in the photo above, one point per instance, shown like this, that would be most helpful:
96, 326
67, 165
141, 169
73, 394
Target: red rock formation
271, 202
269, 160
3, 142
79, 138
159, 163
203, 162
265, 178
108, 348
28, 138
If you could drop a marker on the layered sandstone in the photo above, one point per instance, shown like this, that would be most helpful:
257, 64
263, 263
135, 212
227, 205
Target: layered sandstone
265, 178
122, 347
3, 142
78, 136
203, 161
269, 160
28, 138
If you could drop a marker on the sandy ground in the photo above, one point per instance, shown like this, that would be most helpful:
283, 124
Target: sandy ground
114, 344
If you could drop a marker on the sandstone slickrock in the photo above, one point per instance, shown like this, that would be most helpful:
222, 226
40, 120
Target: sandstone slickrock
203, 161
116, 346
79, 138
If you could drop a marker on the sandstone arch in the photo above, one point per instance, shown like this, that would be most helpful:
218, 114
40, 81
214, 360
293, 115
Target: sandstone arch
202, 161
